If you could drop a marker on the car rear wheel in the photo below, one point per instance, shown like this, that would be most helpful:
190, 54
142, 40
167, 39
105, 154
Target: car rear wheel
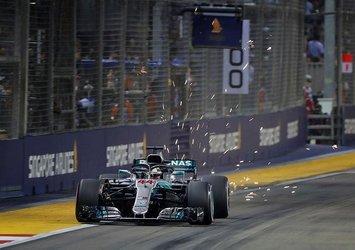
87, 194
199, 194
220, 189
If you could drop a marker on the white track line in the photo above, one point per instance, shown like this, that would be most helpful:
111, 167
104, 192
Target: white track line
45, 235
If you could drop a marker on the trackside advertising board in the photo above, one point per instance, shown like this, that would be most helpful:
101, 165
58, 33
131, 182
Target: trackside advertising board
348, 126
223, 143
42, 164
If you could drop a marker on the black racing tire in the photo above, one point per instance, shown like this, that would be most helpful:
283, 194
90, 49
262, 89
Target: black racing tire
199, 194
87, 194
108, 176
220, 189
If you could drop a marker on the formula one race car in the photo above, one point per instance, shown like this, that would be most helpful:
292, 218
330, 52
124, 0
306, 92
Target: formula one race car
154, 190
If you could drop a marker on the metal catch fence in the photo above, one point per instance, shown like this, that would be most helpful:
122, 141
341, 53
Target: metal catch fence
92, 64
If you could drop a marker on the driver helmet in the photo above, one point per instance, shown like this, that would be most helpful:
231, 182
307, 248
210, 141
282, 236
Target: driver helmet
155, 173
177, 176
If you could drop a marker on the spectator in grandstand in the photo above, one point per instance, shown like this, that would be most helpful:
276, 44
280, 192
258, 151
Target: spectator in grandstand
308, 96
308, 9
307, 88
111, 80
128, 83
317, 106
114, 112
309, 106
86, 108
315, 49
3, 51
5, 88
113, 56
318, 8
128, 112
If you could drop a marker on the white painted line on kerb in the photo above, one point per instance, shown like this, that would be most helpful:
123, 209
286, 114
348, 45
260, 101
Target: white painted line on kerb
45, 235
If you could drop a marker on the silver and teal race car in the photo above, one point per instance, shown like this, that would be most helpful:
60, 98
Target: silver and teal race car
154, 190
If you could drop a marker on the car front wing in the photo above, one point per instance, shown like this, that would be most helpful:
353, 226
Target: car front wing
107, 213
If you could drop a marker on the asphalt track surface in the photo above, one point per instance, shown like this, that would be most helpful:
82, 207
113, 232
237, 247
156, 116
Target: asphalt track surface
267, 213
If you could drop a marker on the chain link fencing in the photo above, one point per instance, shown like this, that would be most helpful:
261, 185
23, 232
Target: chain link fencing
347, 12
94, 64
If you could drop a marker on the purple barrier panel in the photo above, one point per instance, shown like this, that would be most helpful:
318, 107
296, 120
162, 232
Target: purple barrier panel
228, 143
51, 162
199, 148
296, 127
11, 177
348, 126
158, 135
123, 145
58, 162
225, 141
274, 134
90, 153
252, 128
73, 156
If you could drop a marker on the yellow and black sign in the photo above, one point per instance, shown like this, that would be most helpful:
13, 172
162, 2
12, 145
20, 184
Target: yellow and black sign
216, 30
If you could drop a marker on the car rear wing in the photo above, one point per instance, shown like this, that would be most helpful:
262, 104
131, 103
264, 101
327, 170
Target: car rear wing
155, 149
183, 165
